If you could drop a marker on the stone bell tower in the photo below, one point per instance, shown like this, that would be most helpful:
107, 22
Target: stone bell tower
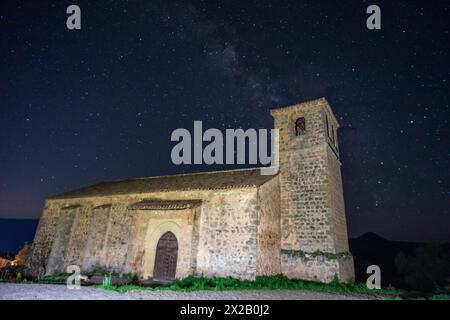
314, 242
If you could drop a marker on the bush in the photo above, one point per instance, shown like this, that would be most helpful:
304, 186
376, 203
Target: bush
98, 271
11, 273
427, 270
128, 276
21, 258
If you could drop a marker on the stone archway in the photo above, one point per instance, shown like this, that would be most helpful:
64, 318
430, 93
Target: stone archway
166, 258
182, 231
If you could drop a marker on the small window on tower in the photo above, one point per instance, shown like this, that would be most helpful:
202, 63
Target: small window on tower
300, 126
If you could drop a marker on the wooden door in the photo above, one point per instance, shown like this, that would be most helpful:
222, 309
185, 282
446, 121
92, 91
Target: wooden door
166, 258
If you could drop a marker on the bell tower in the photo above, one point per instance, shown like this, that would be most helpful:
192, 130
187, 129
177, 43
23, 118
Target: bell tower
314, 241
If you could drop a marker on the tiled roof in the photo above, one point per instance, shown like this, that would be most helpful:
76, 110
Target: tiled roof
216, 180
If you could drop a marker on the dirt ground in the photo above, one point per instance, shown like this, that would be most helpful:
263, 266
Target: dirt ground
9, 291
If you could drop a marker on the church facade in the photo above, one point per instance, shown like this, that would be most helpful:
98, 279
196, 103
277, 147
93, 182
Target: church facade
235, 223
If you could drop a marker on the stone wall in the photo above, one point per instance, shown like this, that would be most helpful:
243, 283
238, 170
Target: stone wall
305, 207
269, 235
78, 235
60, 244
228, 235
337, 207
116, 246
97, 236
43, 240
312, 208
317, 268
219, 238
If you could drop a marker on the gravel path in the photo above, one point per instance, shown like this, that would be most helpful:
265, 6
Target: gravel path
10, 291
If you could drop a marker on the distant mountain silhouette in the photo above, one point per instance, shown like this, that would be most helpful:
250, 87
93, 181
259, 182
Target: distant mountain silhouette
15, 232
371, 237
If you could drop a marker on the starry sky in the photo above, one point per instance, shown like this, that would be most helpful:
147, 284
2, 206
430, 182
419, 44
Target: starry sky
100, 103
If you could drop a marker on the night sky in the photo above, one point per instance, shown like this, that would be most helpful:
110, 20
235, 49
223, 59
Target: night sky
100, 103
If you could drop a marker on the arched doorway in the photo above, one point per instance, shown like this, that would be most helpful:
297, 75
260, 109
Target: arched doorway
166, 258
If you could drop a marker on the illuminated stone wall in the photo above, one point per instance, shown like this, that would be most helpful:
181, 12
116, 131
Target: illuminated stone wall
313, 225
219, 238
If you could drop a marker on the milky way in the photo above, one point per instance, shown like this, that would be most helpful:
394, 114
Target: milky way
100, 103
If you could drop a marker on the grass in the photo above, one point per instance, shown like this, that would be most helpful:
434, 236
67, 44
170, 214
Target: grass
107, 281
440, 297
98, 271
278, 282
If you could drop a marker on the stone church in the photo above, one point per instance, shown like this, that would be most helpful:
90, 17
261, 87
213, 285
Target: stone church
235, 223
